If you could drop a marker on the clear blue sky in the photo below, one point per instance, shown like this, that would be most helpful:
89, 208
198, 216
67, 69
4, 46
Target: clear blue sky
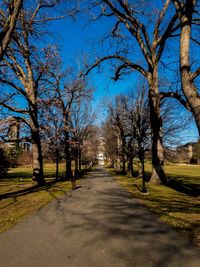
78, 39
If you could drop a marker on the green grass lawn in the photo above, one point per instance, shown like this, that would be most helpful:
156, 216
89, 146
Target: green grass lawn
181, 211
25, 198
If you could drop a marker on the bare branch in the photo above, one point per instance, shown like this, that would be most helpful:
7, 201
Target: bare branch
134, 27
195, 74
160, 19
11, 108
126, 62
177, 96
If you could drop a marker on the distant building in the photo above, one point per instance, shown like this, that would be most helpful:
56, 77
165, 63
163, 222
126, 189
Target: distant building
101, 152
12, 137
189, 153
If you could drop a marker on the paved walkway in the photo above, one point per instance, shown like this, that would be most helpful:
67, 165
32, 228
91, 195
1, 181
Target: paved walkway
97, 225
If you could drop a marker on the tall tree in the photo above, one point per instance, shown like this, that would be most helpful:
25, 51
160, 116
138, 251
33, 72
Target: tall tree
25, 68
68, 92
82, 118
110, 135
151, 42
118, 120
188, 14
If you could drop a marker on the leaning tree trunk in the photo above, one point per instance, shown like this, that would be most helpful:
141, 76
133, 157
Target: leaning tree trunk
158, 173
38, 174
187, 78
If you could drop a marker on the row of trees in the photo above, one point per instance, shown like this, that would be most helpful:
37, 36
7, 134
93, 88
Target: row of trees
139, 38
127, 131
51, 105
138, 41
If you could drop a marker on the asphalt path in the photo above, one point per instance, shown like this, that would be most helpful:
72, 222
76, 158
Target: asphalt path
97, 225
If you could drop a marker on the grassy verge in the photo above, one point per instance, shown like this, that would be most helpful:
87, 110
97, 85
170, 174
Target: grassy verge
180, 211
24, 197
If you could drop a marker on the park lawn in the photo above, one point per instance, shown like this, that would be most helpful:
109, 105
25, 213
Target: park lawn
26, 199
184, 172
179, 210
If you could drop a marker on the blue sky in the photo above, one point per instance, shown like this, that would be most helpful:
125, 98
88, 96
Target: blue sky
78, 39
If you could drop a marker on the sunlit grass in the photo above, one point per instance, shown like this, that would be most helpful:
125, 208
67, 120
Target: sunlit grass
14, 209
27, 199
180, 211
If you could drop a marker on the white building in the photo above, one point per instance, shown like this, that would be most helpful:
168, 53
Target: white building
101, 159
101, 152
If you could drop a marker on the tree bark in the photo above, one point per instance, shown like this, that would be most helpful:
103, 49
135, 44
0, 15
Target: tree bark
123, 165
67, 156
130, 166
57, 165
130, 159
80, 159
142, 172
158, 173
38, 174
189, 89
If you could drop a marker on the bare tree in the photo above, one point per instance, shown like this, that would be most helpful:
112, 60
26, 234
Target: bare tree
138, 121
52, 133
24, 72
81, 119
151, 44
111, 139
90, 145
68, 91
118, 120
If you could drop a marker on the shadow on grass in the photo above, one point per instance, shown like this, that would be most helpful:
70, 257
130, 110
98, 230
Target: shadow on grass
183, 186
179, 183
36, 188
25, 191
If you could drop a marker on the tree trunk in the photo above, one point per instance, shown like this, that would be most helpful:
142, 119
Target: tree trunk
142, 172
158, 173
79, 159
123, 165
67, 156
38, 174
189, 89
130, 166
76, 165
57, 165
130, 159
